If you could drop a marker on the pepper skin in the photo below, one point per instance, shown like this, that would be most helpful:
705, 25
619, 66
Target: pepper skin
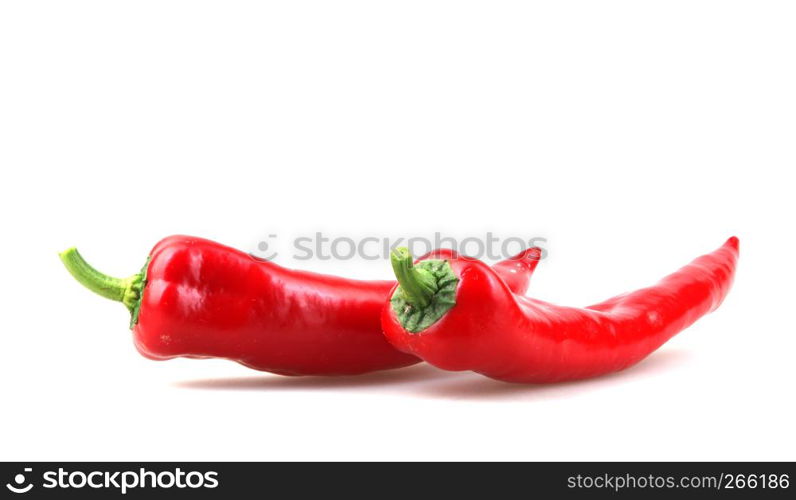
200, 299
492, 331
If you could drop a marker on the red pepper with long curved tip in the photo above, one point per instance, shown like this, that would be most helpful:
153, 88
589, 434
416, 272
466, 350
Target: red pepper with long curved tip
458, 315
199, 299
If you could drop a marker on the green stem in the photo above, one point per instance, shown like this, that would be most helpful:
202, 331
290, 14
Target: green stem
99, 283
125, 290
418, 285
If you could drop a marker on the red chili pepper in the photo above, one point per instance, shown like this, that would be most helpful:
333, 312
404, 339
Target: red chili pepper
199, 299
458, 315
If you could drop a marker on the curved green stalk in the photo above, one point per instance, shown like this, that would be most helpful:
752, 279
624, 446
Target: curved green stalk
417, 284
128, 291
425, 293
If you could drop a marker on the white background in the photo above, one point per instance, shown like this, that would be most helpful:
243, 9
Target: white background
634, 136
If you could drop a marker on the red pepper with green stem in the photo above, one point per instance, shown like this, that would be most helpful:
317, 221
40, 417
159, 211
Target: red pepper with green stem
456, 314
199, 299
